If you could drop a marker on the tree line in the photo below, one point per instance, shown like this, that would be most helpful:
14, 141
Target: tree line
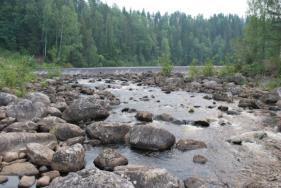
89, 33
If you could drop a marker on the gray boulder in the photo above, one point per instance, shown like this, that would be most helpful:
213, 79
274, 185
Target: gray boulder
39, 97
64, 131
248, 103
91, 178
26, 110
270, 98
47, 123
19, 169
39, 154
86, 108
108, 133
18, 141
148, 177
148, 137
27, 126
110, 158
69, 159
6, 99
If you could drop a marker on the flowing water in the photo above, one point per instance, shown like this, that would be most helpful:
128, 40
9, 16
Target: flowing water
226, 162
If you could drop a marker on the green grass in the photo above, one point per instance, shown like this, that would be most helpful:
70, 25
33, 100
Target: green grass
208, 70
167, 66
16, 71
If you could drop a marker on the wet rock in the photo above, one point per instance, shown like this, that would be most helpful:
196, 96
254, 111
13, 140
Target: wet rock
109, 159
69, 159
270, 98
142, 176
64, 131
19, 169
223, 108
211, 84
39, 154
113, 100
222, 97
129, 110
43, 181
52, 111
201, 123
193, 182
61, 105
52, 174
3, 179
10, 156
6, 122
200, 159
47, 123
18, 141
6, 99
164, 117
108, 133
248, 103
233, 113
144, 116
85, 108
247, 137
27, 126
91, 178
148, 137
75, 140
188, 144
26, 110
26, 181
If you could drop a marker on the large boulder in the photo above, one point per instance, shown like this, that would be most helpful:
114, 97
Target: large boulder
64, 131
27, 126
26, 110
149, 177
91, 178
222, 97
148, 137
39, 97
110, 158
248, 103
69, 159
270, 98
47, 123
19, 169
6, 99
86, 108
39, 154
108, 133
18, 141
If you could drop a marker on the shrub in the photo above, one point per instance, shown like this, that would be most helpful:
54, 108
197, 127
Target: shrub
167, 66
208, 70
16, 71
53, 70
193, 70
227, 70
274, 83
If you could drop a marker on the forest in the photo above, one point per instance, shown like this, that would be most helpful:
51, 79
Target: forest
83, 33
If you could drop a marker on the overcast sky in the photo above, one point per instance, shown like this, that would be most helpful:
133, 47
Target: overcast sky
193, 7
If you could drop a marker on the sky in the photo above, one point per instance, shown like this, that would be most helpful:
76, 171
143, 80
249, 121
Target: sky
192, 7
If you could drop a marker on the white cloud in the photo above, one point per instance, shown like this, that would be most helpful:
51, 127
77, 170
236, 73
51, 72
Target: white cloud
193, 7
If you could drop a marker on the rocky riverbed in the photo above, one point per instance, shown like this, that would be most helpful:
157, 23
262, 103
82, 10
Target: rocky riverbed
140, 130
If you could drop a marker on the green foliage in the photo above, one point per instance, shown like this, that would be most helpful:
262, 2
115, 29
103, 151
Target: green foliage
167, 66
208, 69
274, 83
16, 71
227, 70
53, 70
193, 70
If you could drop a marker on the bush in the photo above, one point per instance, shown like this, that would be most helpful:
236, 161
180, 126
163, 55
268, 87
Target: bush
16, 71
208, 70
52, 70
167, 66
227, 70
254, 69
193, 70
274, 83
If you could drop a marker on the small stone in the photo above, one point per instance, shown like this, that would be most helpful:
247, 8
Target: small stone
223, 108
3, 179
200, 159
201, 123
144, 116
20, 169
43, 169
52, 174
188, 144
43, 181
193, 182
26, 181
